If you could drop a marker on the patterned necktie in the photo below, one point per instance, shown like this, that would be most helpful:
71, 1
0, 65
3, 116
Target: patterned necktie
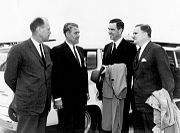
42, 55
76, 55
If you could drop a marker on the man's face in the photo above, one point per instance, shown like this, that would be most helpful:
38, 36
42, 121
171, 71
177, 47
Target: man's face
44, 31
73, 35
138, 36
114, 33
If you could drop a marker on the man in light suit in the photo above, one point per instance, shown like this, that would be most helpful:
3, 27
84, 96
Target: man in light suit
124, 53
151, 72
70, 80
29, 77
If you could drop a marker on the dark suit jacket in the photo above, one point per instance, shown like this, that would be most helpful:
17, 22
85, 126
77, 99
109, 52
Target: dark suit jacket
125, 53
69, 80
152, 73
27, 77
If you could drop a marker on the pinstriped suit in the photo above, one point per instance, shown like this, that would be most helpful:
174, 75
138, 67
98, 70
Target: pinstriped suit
26, 75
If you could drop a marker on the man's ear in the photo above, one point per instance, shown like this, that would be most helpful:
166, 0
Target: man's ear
146, 33
38, 29
120, 31
67, 34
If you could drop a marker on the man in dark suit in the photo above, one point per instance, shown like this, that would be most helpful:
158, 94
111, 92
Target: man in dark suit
29, 77
70, 80
124, 53
151, 72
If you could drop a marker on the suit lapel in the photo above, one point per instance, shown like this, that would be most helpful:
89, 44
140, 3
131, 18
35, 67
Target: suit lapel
69, 51
34, 50
120, 44
81, 54
144, 53
109, 49
146, 50
70, 54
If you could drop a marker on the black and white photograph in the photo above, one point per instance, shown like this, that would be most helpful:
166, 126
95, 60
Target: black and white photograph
89, 66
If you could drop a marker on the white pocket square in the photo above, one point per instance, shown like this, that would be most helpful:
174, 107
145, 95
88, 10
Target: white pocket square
143, 60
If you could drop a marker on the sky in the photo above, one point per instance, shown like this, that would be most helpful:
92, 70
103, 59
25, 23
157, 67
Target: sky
92, 16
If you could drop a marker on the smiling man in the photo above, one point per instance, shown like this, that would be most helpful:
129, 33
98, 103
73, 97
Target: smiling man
118, 51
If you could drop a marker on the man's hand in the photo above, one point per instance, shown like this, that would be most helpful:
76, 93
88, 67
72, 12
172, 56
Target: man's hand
58, 104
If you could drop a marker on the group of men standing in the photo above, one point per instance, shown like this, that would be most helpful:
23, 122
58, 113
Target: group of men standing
148, 66
33, 70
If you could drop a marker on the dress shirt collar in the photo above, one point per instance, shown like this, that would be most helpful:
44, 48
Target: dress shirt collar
118, 41
36, 44
71, 46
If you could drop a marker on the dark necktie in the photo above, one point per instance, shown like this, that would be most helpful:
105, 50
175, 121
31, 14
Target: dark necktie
114, 48
137, 58
138, 52
76, 55
42, 55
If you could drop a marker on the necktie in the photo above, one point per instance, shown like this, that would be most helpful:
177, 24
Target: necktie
114, 48
137, 58
42, 55
138, 52
76, 56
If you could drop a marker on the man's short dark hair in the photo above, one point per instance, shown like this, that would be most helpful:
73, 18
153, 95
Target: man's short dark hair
119, 23
146, 28
68, 27
35, 23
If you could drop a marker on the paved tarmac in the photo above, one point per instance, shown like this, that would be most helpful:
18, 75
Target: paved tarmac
6, 126
3, 130
52, 129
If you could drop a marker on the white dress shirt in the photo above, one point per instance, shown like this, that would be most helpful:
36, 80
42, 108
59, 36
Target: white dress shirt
71, 47
36, 44
117, 42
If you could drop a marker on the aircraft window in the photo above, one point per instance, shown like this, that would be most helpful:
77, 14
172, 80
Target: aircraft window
91, 59
171, 58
